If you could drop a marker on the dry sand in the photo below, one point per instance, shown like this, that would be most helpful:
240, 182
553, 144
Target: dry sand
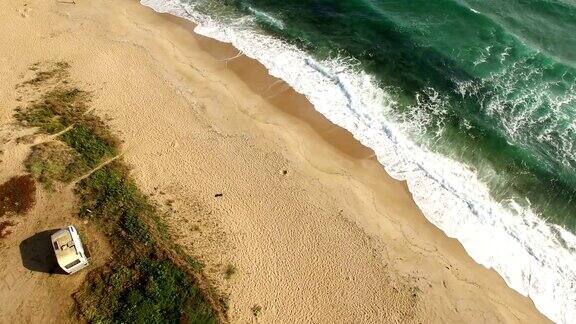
315, 228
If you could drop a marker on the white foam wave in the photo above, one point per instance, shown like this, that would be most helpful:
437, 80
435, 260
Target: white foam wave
518, 93
534, 258
268, 18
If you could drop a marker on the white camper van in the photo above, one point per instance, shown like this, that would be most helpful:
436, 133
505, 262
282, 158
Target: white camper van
69, 251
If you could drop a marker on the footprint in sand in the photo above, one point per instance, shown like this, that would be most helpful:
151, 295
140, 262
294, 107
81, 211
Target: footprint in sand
25, 11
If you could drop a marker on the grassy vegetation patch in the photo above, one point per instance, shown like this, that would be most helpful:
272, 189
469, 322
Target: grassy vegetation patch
111, 197
151, 279
55, 110
152, 291
51, 161
92, 148
58, 70
64, 109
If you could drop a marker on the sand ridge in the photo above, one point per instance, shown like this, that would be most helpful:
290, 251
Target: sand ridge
314, 227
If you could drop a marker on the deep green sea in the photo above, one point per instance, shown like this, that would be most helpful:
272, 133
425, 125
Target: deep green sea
456, 96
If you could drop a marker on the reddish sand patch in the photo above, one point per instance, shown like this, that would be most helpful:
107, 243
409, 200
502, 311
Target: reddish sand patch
17, 195
4, 228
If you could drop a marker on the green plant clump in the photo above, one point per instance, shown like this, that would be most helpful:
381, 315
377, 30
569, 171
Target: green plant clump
111, 197
49, 162
153, 291
92, 142
92, 148
56, 109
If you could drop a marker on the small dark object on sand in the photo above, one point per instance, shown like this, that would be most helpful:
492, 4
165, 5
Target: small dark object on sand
218, 195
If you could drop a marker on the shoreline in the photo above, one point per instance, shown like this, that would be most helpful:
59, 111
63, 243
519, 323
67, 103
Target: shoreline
316, 228
256, 76
525, 249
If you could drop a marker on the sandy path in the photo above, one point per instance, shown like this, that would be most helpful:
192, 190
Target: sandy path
317, 231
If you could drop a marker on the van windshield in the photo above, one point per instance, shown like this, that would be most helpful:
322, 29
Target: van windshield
71, 264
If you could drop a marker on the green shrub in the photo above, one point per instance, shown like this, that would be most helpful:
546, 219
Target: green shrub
91, 148
156, 291
56, 110
134, 226
88, 136
49, 162
147, 282
163, 294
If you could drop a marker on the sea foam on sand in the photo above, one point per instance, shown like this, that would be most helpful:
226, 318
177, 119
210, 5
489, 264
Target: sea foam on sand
535, 258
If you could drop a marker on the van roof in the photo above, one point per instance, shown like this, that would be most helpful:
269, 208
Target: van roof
65, 247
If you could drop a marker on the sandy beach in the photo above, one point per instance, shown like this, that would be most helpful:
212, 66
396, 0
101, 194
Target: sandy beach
257, 180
